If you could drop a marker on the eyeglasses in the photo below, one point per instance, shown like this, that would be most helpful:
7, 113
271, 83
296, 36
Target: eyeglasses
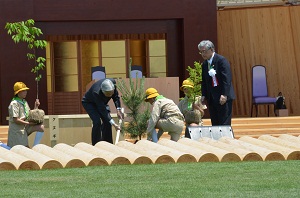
203, 51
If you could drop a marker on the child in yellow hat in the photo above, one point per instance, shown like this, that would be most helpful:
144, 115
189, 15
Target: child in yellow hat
188, 104
19, 127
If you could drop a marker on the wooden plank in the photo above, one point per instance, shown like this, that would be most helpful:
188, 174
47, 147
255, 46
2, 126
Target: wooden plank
250, 36
267, 125
274, 135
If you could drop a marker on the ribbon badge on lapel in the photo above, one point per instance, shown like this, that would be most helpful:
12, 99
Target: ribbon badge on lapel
212, 72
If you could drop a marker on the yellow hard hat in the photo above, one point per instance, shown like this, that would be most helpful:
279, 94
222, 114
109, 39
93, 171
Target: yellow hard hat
19, 86
151, 93
187, 83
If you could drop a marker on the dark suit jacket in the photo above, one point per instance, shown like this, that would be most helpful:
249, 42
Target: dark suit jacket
95, 95
222, 67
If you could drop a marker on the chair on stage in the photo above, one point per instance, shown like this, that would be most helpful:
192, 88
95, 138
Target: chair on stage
98, 72
260, 94
136, 71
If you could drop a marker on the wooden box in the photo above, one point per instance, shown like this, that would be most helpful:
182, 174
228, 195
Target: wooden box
282, 112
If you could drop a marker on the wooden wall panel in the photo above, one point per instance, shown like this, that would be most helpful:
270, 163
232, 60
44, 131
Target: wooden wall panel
267, 36
295, 22
66, 103
230, 47
50, 103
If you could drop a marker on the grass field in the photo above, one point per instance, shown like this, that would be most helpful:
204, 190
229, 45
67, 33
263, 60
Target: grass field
235, 179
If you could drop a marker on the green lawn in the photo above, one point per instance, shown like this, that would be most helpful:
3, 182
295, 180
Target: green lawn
235, 179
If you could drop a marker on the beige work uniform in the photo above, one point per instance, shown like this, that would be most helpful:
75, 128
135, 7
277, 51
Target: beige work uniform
183, 106
18, 133
166, 117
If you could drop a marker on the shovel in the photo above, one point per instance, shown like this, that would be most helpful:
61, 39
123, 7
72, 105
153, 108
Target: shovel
118, 131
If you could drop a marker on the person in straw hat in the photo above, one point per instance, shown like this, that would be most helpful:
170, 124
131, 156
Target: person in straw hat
19, 126
95, 102
188, 104
165, 116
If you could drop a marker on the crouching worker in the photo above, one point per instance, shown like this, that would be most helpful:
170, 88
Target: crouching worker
165, 116
19, 126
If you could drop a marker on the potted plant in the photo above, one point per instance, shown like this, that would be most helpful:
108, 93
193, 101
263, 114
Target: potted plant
133, 96
195, 75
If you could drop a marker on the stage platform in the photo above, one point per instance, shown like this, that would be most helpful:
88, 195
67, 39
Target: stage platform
257, 126
254, 127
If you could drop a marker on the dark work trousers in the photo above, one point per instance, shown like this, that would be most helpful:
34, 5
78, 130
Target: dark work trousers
100, 131
220, 114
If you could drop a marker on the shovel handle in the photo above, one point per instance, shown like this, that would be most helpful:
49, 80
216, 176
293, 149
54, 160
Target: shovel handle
118, 131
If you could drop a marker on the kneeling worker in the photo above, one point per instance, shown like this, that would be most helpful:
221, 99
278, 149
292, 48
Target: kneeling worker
165, 116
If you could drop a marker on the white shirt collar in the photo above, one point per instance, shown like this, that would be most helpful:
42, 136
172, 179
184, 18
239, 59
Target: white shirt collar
210, 60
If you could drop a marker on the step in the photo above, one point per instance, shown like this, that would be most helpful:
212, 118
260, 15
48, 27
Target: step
237, 136
266, 131
3, 129
259, 126
256, 120
259, 120
266, 125
253, 127
3, 135
3, 140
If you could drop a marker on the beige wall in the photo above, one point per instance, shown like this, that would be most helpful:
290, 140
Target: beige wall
269, 36
72, 130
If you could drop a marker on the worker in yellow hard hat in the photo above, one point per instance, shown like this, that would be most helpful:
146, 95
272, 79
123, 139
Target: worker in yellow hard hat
191, 103
165, 116
19, 127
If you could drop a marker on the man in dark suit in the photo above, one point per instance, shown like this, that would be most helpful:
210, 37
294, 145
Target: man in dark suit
95, 102
217, 87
